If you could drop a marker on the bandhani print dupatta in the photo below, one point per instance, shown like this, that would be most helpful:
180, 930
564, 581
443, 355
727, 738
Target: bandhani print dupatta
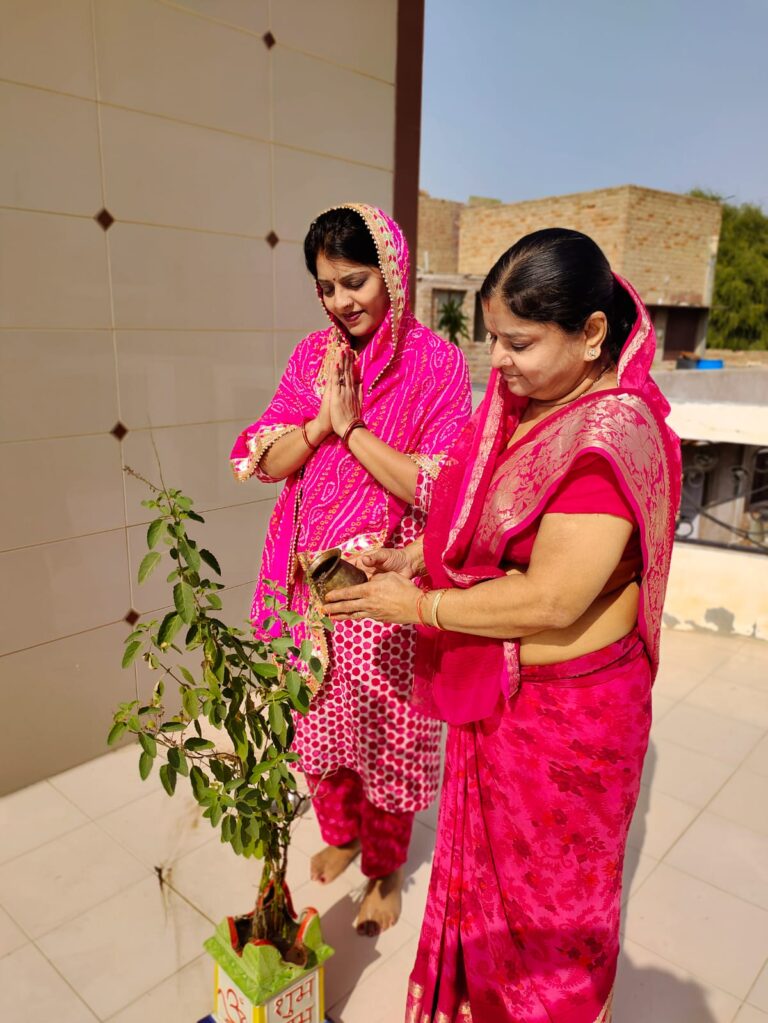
415, 397
460, 678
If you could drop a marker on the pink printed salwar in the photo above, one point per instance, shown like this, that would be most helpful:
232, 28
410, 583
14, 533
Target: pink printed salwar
543, 763
416, 398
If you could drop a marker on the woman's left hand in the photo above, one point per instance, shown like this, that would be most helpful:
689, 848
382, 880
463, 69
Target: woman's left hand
387, 597
345, 393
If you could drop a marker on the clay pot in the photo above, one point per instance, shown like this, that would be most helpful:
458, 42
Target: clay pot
329, 571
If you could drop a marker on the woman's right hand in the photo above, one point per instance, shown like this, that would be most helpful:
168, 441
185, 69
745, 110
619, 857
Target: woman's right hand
320, 427
386, 559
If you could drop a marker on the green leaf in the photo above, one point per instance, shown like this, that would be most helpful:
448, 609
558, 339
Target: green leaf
305, 650
195, 516
173, 726
215, 814
265, 669
277, 720
178, 761
209, 559
282, 645
148, 744
145, 765
291, 618
190, 703
214, 601
293, 683
153, 532
199, 783
220, 771
316, 667
184, 599
189, 554
148, 563
168, 629
129, 656
188, 675
198, 744
168, 778
115, 732
193, 637
228, 827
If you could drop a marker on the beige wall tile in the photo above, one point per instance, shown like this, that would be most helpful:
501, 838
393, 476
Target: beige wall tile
195, 459
58, 589
164, 278
52, 160
344, 99
65, 487
305, 184
164, 172
56, 384
48, 43
234, 535
361, 34
297, 307
53, 272
173, 377
72, 687
33, 816
153, 57
249, 14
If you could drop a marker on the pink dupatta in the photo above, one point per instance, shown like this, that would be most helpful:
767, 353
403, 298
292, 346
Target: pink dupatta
460, 678
416, 398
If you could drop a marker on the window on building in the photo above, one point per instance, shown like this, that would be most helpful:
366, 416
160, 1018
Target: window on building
479, 333
683, 329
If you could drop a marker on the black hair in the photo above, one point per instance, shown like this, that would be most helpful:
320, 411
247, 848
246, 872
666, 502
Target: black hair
561, 276
340, 234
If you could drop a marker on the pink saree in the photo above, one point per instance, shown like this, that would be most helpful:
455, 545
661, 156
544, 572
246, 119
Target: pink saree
416, 398
543, 764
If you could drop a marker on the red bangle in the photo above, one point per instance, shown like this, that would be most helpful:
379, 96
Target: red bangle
307, 441
420, 600
352, 426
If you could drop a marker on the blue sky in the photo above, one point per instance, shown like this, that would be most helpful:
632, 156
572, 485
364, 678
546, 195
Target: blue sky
529, 98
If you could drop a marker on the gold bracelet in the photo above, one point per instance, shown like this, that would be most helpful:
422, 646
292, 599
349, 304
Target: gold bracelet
439, 594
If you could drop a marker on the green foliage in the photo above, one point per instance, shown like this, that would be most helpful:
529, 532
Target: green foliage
246, 688
739, 316
452, 322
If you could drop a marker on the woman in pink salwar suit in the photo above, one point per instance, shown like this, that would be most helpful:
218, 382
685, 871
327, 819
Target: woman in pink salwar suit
548, 544
361, 408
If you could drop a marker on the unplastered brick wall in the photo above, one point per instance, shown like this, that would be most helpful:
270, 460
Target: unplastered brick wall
666, 244
438, 234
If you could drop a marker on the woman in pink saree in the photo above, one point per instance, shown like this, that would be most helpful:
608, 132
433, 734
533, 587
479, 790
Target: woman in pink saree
548, 543
362, 406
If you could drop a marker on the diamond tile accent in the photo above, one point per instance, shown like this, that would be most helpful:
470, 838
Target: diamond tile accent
132, 617
105, 219
119, 431
272, 239
269, 40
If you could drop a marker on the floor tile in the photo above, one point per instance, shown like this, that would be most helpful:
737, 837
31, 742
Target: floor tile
219, 883
659, 821
759, 994
675, 680
159, 829
726, 855
748, 666
32, 816
650, 989
32, 991
638, 866
708, 732
104, 784
182, 998
749, 1014
63, 878
417, 874
662, 705
127, 945
726, 697
704, 930
683, 773
743, 800
11, 935
757, 760
380, 998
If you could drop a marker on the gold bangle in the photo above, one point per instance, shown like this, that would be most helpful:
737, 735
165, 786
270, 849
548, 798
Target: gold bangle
439, 594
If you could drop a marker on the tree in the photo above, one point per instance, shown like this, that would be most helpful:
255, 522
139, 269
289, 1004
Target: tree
244, 687
739, 315
452, 322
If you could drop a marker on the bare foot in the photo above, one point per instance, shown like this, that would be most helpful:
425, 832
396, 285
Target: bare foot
326, 866
380, 908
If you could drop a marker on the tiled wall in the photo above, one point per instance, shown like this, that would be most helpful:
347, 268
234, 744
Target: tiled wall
211, 131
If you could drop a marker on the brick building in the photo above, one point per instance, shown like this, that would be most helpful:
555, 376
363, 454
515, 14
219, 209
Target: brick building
666, 244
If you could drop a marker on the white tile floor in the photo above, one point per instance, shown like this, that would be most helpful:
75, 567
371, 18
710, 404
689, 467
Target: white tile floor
88, 934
